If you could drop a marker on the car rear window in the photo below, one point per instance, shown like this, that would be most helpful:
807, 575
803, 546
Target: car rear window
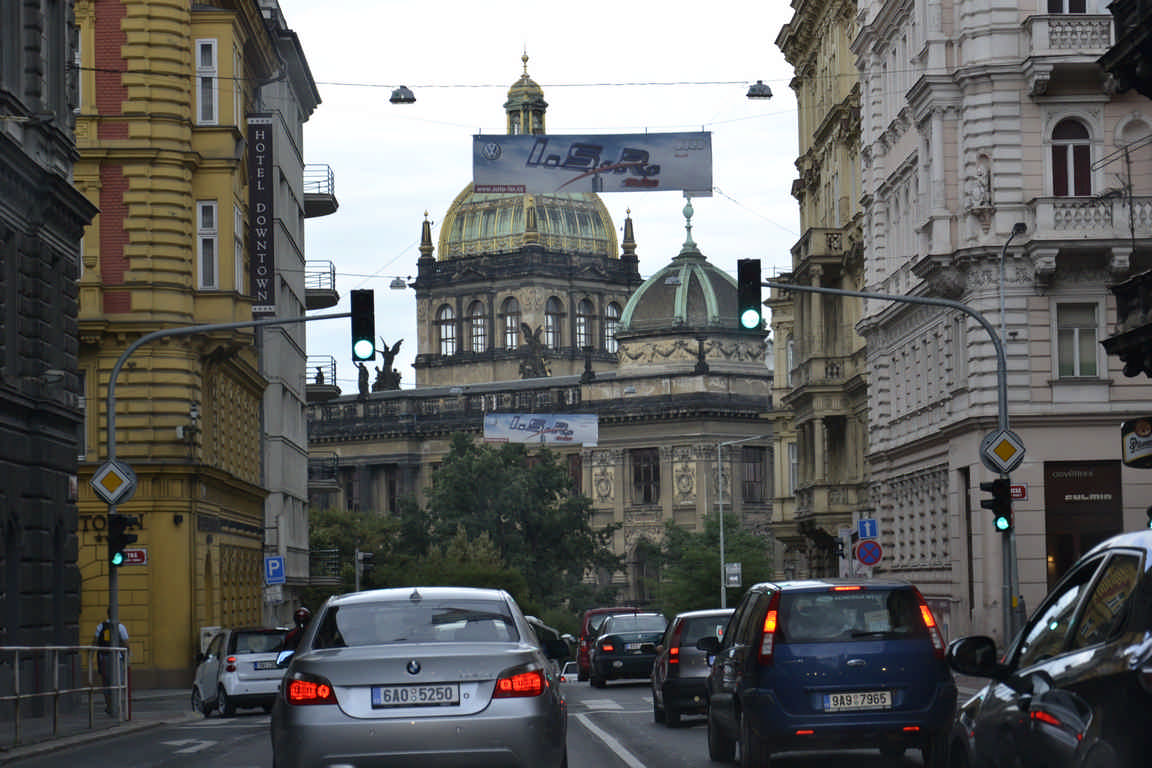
865, 614
264, 641
421, 621
695, 629
595, 621
635, 624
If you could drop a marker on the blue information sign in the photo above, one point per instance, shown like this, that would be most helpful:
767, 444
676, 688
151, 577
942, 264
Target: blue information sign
867, 528
274, 570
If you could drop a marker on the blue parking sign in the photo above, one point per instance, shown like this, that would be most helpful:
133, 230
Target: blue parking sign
274, 570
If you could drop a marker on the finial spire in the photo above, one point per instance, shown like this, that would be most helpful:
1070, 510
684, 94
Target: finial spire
688, 242
524, 58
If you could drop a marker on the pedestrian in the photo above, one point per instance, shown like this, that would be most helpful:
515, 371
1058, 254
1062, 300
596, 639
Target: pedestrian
301, 619
104, 658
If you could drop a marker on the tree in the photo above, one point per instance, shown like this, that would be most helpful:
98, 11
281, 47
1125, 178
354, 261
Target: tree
463, 562
344, 532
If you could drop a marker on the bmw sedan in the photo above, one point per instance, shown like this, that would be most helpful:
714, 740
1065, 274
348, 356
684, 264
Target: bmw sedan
420, 676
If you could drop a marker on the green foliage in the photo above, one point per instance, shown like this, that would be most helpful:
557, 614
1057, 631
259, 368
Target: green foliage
690, 565
345, 531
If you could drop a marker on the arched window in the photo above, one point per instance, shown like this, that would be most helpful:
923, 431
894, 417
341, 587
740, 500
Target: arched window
553, 315
446, 330
611, 325
510, 312
1071, 160
477, 327
584, 318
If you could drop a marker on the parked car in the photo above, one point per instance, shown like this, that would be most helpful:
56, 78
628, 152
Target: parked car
443, 675
680, 670
570, 673
238, 670
1075, 687
590, 630
829, 664
626, 647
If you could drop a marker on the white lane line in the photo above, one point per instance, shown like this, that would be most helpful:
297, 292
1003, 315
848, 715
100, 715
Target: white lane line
601, 704
609, 741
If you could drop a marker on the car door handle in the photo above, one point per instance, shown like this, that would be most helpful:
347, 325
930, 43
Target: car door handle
856, 662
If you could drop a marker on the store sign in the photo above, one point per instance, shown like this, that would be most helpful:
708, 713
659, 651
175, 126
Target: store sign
261, 215
1136, 442
1082, 487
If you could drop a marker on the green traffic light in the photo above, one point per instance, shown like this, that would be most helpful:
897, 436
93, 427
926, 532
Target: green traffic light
118, 558
1001, 523
363, 349
750, 319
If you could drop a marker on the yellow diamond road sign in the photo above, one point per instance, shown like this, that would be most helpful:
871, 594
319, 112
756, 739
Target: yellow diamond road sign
114, 481
1002, 451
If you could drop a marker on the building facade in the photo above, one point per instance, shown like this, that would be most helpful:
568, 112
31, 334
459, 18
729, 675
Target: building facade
974, 121
42, 218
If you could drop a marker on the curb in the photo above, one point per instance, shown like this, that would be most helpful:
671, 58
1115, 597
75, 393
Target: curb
25, 751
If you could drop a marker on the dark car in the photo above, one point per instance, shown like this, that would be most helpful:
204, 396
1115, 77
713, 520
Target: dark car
829, 664
626, 647
681, 669
1075, 688
590, 630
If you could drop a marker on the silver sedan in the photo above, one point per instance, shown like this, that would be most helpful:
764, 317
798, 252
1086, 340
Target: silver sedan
420, 676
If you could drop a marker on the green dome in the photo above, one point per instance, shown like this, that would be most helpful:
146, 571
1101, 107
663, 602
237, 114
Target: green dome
690, 294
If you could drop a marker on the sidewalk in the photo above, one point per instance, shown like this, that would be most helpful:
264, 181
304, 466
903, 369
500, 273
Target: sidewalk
150, 708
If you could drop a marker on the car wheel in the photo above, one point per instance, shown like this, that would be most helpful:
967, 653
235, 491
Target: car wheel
224, 704
198, 705
935, 750
721, 747
754, 752
597, 682
671, 716
657, 711
1102, 755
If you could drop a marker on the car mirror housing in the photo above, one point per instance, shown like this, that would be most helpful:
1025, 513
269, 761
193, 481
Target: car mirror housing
283, 658
976, 656
708, 644
555, 648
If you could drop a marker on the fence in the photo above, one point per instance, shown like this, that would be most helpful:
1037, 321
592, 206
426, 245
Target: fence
45, 690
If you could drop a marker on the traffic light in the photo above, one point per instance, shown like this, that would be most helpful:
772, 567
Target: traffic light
1000, 502
1149, 513
363, 325
749, 305
119, 537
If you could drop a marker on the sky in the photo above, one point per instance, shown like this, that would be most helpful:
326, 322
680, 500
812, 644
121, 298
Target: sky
604, 67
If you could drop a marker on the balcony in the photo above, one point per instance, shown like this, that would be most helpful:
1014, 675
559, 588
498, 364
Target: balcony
320, 285
1064, 44
319, 191
320, 385
325, 568
1108, 221
322, 472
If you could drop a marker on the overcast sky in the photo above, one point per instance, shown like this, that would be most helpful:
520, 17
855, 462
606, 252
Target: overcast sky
605, 67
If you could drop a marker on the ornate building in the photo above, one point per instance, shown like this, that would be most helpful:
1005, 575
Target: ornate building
822, 386
529, 307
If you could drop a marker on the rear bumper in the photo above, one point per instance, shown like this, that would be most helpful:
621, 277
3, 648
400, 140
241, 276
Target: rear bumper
622, 668
688, 695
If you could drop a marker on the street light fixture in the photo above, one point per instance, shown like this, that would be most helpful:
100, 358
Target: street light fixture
403, 95
720, 508
759, 90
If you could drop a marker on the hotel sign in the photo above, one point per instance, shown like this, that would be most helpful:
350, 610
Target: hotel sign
261, 215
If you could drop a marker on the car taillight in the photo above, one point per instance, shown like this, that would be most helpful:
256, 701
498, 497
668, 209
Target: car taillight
309, 689
930, 624
674, 642
230, 664
768, 638
607, 647
674, 655
518, 684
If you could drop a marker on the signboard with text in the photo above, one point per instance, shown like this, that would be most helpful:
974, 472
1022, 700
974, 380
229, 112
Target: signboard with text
261, 215
567, 429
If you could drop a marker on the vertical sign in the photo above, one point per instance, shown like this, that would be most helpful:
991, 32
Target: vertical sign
261, 233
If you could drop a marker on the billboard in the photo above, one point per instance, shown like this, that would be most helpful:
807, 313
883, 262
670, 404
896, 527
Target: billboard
565, 429
641, 162
261, 212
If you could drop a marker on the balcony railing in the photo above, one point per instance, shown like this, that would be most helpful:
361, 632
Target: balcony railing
320, 378
1092, 218
325, 567
322, 470
320, 285
319, 190
1063, 34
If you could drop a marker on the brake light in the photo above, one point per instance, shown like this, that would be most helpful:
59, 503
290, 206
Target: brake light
520, 684
911, 728
805, 732
674, 642
1044, 717
674, 655
230, 664
307, 689
607, 647
851, 588
930, 624
768, 638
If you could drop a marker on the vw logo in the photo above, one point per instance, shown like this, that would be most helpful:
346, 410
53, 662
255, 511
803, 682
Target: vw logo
491, 151
413, 667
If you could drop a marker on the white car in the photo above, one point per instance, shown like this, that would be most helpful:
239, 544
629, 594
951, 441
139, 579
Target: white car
570, 673
238, 670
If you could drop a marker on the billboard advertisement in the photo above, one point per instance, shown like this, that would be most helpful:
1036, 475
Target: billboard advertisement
261, 213
641, 162
565, 429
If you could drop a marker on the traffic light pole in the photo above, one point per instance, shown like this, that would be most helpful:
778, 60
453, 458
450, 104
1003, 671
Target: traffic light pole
1013, 606
116, 673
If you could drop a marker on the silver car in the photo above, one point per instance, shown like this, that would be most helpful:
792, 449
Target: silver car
417, 676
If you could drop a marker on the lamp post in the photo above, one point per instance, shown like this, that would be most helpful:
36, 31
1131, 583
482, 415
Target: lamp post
720, 508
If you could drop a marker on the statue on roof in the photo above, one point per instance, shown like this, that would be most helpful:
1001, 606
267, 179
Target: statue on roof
533, 365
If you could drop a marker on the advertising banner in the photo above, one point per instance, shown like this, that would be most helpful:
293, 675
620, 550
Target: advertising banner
261, 213
643, 162
566, 429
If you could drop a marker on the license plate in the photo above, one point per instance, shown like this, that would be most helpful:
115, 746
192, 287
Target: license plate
415, 695
264, 665
848, 702
632, 646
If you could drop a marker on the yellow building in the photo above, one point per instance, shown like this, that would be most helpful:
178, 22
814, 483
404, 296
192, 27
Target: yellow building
166, 88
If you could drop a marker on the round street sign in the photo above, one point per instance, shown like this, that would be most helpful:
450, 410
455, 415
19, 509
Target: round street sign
869, 552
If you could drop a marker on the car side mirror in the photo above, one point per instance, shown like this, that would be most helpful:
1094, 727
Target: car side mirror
976, 656
555, 648
283, 658
648, 648
708, 644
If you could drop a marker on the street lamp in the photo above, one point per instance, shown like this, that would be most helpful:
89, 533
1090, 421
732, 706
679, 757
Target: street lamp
720, 508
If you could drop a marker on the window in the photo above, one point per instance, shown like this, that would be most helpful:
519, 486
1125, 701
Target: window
793, 468
645, 475
510, 311
1067, 6
1071, 160
237, 88
1076, 340
82, 407
753, 459
553, 313
477, 327
207, 72
446, 330
238, 246
584, 324
1107, 605
206, 236
789, 359
611, 326
576, 472
1045, 636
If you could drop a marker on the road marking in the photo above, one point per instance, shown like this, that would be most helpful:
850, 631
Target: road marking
196, 745
629, 759
601, 704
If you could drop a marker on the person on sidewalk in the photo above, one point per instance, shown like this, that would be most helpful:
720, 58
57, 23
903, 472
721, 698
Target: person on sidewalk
104, 658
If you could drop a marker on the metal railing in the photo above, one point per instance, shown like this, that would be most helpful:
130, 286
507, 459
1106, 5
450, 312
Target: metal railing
319, 179
46, 689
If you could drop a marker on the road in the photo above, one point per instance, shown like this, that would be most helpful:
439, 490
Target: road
607, 728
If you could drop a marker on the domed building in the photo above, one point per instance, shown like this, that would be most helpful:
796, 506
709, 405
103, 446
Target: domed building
528, 304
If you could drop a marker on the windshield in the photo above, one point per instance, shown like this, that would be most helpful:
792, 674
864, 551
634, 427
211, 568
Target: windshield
261, 641
423, 621
812, 617
634, 624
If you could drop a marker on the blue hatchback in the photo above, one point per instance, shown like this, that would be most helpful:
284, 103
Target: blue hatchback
827, 664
